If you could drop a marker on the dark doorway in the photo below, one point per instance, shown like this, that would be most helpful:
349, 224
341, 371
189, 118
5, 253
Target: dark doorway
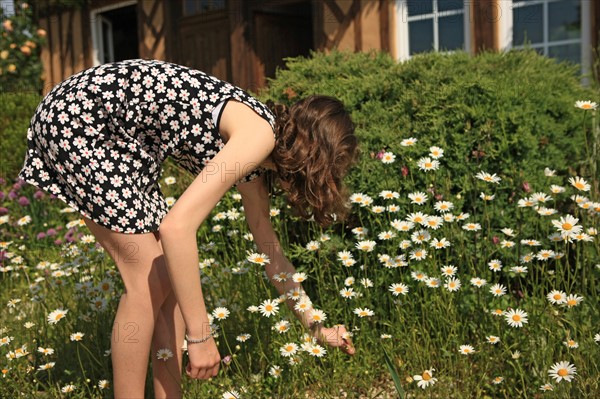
281, 30
118, 34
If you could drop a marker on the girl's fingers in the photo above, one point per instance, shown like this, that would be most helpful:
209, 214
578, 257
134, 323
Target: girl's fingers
348, 346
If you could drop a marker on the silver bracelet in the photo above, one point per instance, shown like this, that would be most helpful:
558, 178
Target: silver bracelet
199, 341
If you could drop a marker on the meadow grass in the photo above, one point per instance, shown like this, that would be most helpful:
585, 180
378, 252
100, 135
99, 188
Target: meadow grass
471, 297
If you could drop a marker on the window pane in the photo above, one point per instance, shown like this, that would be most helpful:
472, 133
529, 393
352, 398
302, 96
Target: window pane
571, 52
420, 35
528, 24
451, 31
204, 5
189, 7
419, 7
219, 4
446, 5
564, 20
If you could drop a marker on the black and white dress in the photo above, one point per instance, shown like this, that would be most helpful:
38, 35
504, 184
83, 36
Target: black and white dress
98, 139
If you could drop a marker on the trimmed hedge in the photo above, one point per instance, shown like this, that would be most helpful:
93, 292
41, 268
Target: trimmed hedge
509, 113
16, 110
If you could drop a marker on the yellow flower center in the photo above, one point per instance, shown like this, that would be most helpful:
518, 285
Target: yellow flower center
571, 302
563, 372
579, 185
259, 259
516, 317
269, 307
586, 106
567, 226
426, 376
571, 342
418, 219
557, 296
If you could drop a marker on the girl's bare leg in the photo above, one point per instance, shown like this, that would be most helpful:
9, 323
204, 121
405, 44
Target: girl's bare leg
169, 332
142, 267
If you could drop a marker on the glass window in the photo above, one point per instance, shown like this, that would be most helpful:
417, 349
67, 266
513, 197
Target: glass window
419, 7
420, 35
435, 25
452, 32
191, 7
553, 27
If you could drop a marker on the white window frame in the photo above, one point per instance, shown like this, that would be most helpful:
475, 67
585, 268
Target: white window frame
402, 32
96, 26
506, 29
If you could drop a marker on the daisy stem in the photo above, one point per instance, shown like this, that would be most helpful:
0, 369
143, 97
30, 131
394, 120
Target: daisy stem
92, 355
595, 147
83, 370
585, 136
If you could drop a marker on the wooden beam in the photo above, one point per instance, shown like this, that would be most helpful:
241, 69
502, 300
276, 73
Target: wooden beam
77, 34
54, 46
384, 27
596, 38
45, 56
485, 13
357, 11
86, 36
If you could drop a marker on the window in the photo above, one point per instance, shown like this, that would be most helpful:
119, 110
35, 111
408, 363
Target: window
426, 25
192, 7
114, 32
552, 27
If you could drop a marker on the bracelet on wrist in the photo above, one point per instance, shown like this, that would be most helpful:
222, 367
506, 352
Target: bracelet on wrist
199, 341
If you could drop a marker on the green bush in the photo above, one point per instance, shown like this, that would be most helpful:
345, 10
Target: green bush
20, 65
16, 110
508, 113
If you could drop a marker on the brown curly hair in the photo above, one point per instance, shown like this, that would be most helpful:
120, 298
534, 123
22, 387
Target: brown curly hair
315, 146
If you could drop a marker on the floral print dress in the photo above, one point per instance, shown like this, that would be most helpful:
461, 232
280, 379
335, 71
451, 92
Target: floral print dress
98, 139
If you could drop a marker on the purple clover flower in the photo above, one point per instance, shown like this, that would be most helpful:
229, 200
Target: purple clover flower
23, 201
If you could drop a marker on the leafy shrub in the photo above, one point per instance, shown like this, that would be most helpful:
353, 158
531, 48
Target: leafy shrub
508, 113
16, 110
20, 65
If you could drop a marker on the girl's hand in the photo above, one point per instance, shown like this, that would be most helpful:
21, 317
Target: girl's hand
335, 336
204, 360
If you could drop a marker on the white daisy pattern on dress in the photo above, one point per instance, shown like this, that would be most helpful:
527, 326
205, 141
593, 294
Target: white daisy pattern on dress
99, 138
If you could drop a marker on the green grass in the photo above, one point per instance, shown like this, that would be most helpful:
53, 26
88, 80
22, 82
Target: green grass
420, 331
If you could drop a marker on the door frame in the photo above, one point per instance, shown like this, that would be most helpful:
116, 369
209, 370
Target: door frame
96, 27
